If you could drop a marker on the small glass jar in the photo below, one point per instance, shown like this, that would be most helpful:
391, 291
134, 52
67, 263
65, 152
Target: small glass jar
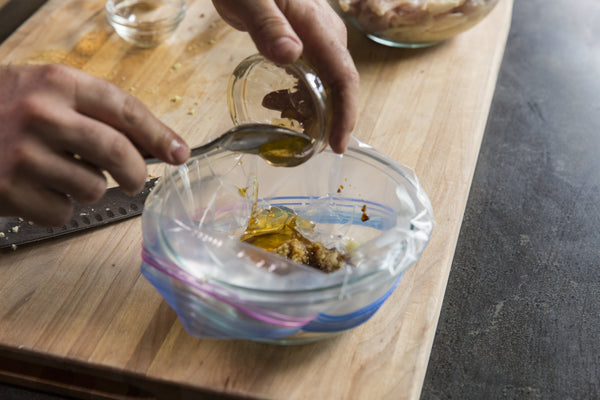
292, 96
145, 23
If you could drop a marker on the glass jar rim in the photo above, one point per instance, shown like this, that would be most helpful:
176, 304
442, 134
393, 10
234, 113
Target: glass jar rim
306, 76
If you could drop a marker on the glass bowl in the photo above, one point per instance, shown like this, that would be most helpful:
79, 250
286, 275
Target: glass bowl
412, 23
145, 23
224, 288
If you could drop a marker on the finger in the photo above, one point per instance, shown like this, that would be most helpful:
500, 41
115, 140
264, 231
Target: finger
345, 106
266, 24
64, 174
313, 22
95, 143
104, 101
37, 204
46, 207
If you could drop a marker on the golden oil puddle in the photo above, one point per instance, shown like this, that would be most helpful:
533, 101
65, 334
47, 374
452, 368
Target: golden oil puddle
279, 229
288, 152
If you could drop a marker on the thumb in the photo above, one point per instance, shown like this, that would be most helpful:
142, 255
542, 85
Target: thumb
267, 25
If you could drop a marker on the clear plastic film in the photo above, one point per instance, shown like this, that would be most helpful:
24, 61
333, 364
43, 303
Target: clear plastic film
368, 206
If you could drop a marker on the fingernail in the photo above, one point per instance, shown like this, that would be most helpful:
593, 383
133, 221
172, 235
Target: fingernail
179, 152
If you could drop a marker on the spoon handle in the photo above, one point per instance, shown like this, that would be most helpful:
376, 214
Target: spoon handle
195, 151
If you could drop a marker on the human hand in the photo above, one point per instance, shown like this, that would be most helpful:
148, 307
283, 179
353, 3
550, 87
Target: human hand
284, 30
60, 128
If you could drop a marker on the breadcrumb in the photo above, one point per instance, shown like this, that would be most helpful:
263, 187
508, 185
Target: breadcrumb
314, 254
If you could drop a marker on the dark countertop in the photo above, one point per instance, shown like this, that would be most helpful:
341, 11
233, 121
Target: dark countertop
521, 310
521, 313
14, 12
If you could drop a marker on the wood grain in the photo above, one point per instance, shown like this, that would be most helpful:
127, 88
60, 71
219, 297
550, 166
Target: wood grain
80, 305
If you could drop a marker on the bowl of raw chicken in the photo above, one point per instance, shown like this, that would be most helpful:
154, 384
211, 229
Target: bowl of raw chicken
412, 23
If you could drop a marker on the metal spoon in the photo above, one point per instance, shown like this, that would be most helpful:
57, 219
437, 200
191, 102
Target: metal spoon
279, 146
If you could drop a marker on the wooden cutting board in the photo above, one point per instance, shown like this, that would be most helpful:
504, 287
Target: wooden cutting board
77, 317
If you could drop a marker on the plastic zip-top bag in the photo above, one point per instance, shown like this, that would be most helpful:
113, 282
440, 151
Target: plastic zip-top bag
367, 206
